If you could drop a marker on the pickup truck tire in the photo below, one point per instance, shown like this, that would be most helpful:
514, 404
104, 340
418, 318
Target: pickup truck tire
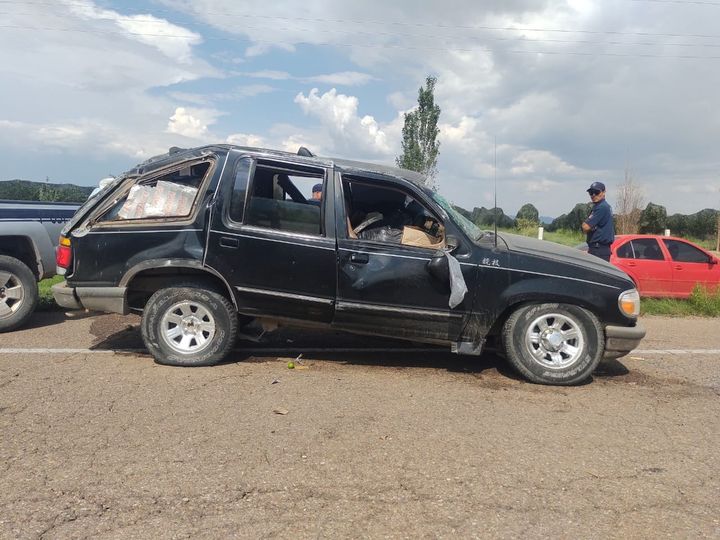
558, 344
18, 293
188, 326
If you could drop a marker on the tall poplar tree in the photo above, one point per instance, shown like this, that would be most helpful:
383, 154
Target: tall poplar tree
420, 147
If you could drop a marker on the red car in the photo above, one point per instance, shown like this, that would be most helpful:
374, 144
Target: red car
664, 265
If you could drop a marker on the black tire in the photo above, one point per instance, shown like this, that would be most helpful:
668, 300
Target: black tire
18, 293
532, 334
193, 311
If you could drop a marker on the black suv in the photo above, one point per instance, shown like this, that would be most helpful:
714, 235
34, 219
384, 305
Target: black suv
202, 241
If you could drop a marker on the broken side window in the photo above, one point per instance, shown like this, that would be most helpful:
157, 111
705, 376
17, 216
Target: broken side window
390, 215
286, 198
170, 195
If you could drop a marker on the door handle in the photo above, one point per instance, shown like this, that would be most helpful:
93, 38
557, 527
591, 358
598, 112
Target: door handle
678, 267
359, 258
229, 242
630, 263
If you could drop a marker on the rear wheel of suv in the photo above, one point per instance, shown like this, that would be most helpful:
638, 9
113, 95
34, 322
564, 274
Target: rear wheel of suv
553, 343
18, 293
188, 326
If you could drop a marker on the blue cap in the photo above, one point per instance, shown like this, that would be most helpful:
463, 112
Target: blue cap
316, 188
596, 186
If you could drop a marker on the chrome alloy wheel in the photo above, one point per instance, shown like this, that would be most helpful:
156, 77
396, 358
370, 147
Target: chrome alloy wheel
187, 327
12, 294
555, 341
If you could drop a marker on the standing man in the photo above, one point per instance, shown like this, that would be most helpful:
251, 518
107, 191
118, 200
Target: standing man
599, 226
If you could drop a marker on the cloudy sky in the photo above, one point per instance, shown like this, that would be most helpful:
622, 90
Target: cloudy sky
566, 91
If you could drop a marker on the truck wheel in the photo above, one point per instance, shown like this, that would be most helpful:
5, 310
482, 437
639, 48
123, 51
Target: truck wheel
188, 326
553, 343
18, 293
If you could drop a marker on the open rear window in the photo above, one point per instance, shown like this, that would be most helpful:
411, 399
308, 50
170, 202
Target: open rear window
171, 194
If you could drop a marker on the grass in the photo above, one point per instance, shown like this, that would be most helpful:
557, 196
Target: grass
564, 237
46, 301
701, 303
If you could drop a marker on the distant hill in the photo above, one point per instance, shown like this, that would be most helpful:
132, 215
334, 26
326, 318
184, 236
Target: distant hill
26, 190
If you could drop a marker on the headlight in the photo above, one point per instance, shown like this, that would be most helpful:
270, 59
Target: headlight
629, 303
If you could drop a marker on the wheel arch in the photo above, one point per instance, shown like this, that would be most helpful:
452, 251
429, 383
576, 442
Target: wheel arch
22, 248
144, 279
514, 302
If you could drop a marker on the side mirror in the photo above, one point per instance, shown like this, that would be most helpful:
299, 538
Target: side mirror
439, 268
452, 242
713, 260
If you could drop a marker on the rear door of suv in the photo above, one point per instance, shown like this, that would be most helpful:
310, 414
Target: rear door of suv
271, 241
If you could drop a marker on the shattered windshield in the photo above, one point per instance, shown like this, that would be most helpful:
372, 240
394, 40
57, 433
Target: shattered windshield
461, 221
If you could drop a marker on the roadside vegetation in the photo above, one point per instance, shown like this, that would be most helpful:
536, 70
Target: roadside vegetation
46, 301
701, 303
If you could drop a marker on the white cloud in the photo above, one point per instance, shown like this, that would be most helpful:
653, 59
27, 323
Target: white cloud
267, 74
338, 113
559, 117
246, 139
345, 78
91, 92
192, 122
172, 40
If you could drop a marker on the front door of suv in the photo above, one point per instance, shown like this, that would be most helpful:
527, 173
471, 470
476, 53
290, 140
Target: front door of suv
385, 287
268, 238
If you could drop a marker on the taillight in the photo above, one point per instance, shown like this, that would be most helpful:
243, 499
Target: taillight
63, 255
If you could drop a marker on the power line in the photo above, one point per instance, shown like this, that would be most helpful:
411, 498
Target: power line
371, 45
698, 2
420, 36
401, 23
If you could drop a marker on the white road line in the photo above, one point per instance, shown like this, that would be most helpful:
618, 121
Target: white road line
309, 350
676, 351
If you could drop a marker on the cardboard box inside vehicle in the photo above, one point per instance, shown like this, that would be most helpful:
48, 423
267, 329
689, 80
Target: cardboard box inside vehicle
414, 236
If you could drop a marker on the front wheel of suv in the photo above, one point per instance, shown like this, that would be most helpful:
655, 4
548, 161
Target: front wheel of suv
553, 343
188, 326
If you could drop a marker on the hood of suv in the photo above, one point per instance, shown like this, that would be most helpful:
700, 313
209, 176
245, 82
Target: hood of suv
560, 253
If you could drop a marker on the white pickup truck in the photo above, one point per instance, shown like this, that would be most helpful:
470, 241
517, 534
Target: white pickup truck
29, 232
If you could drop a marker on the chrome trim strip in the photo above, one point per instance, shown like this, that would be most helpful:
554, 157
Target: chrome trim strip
374, 307
154, 231
385, 254
320, 239
317, 299
549, 275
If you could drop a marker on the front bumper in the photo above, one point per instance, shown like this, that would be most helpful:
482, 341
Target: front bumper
620, 340
108, 299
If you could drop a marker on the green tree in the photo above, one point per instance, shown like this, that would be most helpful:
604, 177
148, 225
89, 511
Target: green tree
572, 221
653, 219
678, 224
420, 147
528, 214
703, 224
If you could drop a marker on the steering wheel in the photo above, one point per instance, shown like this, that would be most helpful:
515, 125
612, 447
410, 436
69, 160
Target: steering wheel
372, 217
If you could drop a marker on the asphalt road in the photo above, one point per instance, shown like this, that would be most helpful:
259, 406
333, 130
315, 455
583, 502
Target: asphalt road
376, 443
